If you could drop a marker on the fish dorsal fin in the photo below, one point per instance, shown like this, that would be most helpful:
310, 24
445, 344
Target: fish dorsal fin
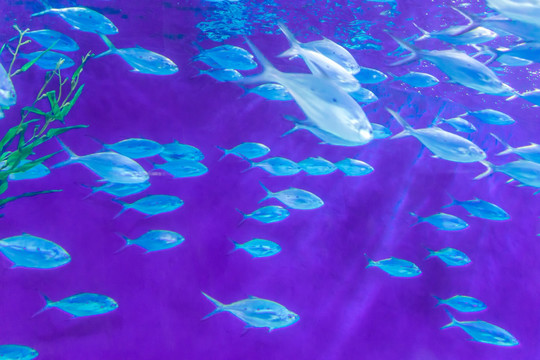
253, 297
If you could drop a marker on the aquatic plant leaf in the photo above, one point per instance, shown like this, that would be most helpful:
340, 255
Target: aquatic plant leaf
58, 131
3, 202
70, 104
27, 66
3, 186
34, 110
51, 95
14, 131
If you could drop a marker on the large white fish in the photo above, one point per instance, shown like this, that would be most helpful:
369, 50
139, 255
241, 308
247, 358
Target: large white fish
527, 11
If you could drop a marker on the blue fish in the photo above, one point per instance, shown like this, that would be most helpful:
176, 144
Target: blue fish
152, 204
82, 18
364, 95
353, 167
490, 116
36, 172
267, 214
222, 75
17, 352
450, 256
317, 166
480, 208
141, 60
508, 60
155, 240
370, 76
529, 152
85, 304
443, 221
277, 166
395, 267
48, 60
526, 172
52, 40
135, 148
120, 190
33, 252
177, 151
294, 198
248, 150
258, 247
458, 123
110, 166
417, 79
183, 168
257, 312
380, 131
532, 96
462, 303
271, 91
226, 57
527, 51
8, 96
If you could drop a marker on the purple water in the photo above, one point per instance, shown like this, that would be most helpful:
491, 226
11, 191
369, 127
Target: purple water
346, 311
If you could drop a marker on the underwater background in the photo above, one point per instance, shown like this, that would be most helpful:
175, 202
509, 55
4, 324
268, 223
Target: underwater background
346, 311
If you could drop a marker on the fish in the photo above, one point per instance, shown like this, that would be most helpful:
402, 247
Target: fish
226, 57
8, 95
183, 168
317, 166
460, 34
380, 131
504, 26
248, 150
258, 247
529, 152
532, 96
120, 190
318, 63
277, 166
141, 60
267, 214
523, 11
222, 75
508, 60
154, 240
84, 304
257, 312
490, 116
462, 303
443, 144
457, 123
396, 267
135, 148
177, 151
36, 172
17, 352
450, 256
417, 79
48, 60
370, 76
52, 40
82, 18
294, 198
450, 32
33, 252
484, 332
524, 171
480, 208
443, 221
527, 51
364, 95
353, 167
324, 103
460, 68
152, 204
110, 166
271, 92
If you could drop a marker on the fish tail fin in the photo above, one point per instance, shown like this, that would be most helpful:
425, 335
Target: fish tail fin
236, 246
48, 304
295, 49
225, 152
219, 306
431, 253
452, 201
296, 123
409, 47
98, 141
419, 219
72, 156
92, 192
508, 149
244, 215
269, 194
128, 242
125, 207
453, 321
490, 168
251, 163
425, 34
407, 129
394, 76
269, 74
370, 261
439, 300
112, 48
471, 23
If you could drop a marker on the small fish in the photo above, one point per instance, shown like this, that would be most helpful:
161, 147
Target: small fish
227, 57
36, 172
120, 190
82, 18
33, 252
353, 167
443, 221
267, 214
317, 166
462, 303
154, 240
364, 95
458, 123
152, 204
277, 166
110, 166
135, 148
257, 312
443, 144
141, 60
177, 151
248, 150
490, 116
49, 59
508, 60
450, 256
258, 247
271, 92
85, 304
417, 79
17, 352
480, 208
52, 40
222, 75
468, 34
380, 131
529, 152
370, 76
484, 332
531, 96
8, 96
524, 171
183, 168
294, 198
395, 267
